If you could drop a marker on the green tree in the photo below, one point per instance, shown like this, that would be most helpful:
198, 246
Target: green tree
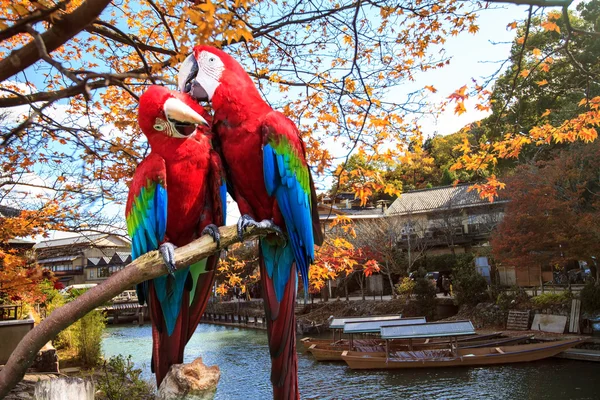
547, 77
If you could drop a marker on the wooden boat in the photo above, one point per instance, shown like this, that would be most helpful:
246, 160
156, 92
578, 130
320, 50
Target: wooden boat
457, 357
307, 342
325, 352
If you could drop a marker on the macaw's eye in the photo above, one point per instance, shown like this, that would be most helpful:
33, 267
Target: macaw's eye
159, 127
212, 59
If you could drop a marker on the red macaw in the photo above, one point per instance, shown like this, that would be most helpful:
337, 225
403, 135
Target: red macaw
175, 195
265, 162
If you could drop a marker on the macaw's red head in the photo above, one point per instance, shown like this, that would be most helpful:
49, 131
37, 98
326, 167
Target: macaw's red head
164, 113
209, 71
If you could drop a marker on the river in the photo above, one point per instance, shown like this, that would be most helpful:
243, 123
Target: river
242, 356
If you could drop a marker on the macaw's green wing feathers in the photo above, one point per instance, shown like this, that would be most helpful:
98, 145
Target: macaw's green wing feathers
146, 211
287, 177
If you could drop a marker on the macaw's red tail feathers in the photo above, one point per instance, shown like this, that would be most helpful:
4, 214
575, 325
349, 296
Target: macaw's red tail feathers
281, 329
202, 295
167, 350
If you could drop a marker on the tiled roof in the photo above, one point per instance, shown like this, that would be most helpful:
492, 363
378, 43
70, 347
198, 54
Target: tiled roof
57, 259
438, 199
324, 212
79, 239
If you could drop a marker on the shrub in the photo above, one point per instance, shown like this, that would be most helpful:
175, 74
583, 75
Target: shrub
469, 287
590, 297
84, 337
88, 338
119, 380
510, 298
406, 287
548, 300
424, 295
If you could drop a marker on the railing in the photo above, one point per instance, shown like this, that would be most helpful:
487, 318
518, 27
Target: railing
9, 312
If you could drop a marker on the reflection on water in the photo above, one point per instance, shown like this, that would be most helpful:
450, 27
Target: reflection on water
242, 355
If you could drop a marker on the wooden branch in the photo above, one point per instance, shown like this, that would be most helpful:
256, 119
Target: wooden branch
62, 31
100, 30
32, 18
146, 267
43, 53
539, 3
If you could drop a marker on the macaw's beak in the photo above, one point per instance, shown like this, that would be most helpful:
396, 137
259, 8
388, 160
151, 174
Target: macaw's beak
182, 117
187, 81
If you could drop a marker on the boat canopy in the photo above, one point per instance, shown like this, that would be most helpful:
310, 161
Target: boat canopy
338, 323
427, 330
376, 326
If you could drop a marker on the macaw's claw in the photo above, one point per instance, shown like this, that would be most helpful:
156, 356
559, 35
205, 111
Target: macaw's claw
213, 231
167, 250
246, 221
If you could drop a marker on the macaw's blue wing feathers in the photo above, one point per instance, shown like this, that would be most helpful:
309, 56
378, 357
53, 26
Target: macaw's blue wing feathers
223, 193
286, 177
169, 291
146, 211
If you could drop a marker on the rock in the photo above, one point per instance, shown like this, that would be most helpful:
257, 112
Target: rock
194, 381
46, 359
65, 388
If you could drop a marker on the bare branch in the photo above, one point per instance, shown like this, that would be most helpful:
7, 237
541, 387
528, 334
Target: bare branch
131, 40
46, 57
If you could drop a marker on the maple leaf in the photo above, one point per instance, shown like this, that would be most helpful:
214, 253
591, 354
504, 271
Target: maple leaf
460, 108
542, 82
550, 26
431, 88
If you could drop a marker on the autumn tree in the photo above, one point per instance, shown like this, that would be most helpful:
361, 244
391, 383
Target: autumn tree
340, 259
20, 275
549, 94
554, 209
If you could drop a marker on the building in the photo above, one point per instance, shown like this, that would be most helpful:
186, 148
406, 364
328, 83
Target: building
446, 219
85, 258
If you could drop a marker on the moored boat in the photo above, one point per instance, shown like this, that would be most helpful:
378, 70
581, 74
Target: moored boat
457, 357
327, 352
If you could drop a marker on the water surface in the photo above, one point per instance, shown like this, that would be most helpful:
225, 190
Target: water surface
242, 356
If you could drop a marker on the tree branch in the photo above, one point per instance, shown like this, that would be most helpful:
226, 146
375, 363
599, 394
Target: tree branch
148, 266
62, 31
539, 3
129, 40
34, 17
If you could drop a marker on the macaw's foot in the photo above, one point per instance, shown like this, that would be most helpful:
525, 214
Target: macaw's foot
246, 221
213, 231
167, 251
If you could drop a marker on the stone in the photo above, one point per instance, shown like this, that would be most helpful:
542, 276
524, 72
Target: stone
193, 381
46, 359
65, 388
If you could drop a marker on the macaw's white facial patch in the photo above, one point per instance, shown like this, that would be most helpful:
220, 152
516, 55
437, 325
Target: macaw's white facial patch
210, 70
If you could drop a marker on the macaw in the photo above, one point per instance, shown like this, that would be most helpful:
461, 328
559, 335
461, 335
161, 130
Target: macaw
177, 192
268, 176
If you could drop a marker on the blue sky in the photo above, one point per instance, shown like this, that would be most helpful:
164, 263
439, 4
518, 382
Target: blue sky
473, 56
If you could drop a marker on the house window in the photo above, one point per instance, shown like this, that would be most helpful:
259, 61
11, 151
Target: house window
103, 272
91, 274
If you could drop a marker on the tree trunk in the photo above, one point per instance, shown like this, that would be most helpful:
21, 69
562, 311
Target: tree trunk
346, 289
391, 285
